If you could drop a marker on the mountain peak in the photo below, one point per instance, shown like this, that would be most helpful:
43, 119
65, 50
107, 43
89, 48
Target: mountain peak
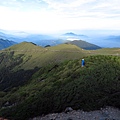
25, 46
84, 45
70, 33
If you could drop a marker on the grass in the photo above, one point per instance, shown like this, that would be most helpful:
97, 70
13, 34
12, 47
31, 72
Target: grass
35, 56
106, 51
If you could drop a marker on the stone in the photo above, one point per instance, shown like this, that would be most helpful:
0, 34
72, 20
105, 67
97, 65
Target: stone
68, 109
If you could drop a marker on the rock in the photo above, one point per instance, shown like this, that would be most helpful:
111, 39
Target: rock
68, 109
108, 113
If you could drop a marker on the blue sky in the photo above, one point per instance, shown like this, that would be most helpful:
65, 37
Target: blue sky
47, 16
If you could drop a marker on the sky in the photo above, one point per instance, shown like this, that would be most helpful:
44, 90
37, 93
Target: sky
47, 16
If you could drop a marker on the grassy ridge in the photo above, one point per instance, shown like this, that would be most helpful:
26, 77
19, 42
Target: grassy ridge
54, 87
106, 51
32, 56
35, 56
85, 45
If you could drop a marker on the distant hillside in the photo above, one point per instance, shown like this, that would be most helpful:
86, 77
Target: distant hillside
6, 43
27, 55
84, 45
39, 39
32, 55
106, 51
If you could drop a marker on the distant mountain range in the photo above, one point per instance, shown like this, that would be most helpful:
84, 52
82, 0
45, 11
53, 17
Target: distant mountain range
44, 40
39, 39
6, 43
52, 40
80, 43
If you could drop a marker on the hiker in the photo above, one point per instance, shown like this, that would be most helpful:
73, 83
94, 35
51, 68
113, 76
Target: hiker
83, 63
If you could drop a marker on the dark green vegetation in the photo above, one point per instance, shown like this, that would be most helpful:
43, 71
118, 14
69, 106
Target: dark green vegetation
5, 43
32, 87
84, 45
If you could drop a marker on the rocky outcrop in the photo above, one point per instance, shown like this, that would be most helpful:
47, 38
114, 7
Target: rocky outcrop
68, 109
107, 113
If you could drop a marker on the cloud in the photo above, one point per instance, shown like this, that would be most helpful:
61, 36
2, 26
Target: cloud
68, 8
84, 8
24, 5
48, 15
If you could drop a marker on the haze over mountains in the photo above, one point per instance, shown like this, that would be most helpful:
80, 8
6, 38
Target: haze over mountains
6, 43
102, 39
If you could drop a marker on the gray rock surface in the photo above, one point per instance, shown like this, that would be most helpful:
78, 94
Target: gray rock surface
107, 113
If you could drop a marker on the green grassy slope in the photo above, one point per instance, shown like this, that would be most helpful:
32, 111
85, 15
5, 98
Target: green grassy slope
28, 55
24, 46
106, 51
55, 87
35, 56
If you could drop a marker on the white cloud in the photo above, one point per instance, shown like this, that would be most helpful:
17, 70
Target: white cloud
53, 15
36, 20
74, 8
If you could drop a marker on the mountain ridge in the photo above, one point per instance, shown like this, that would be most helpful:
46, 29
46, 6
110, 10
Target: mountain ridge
4, 43
40, 56
84, 45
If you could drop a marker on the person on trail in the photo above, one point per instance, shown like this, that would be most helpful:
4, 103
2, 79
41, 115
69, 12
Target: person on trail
83, 62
